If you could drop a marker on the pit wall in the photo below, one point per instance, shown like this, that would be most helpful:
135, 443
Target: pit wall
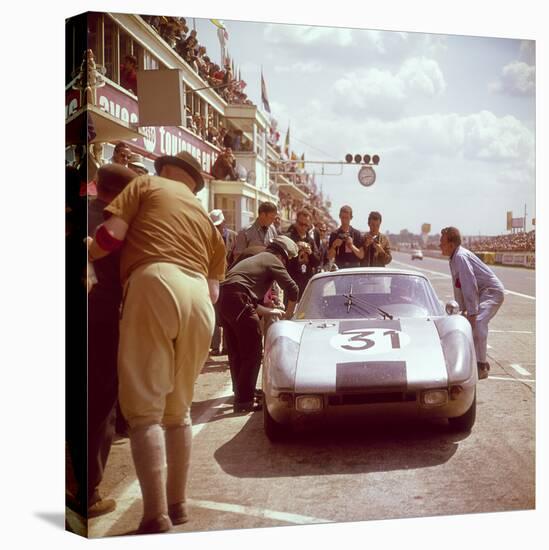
523, 259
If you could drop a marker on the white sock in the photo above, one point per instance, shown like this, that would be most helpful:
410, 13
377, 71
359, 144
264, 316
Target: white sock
178, 452
149, 456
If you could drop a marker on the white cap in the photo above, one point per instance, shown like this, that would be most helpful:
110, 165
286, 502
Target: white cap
217, 216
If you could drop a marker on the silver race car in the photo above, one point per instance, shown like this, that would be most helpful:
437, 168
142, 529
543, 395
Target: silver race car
369, 341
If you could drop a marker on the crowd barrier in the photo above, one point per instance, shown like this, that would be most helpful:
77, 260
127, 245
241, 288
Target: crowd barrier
524, 259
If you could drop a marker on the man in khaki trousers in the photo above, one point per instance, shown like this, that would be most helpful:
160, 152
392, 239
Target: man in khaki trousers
172, 260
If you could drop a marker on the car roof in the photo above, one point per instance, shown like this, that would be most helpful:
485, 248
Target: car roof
369, 270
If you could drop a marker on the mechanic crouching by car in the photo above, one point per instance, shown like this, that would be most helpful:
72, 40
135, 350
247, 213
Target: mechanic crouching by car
244, 287
477, 290
345, 244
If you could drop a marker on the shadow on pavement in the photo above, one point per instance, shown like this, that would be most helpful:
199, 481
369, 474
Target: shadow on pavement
338, 449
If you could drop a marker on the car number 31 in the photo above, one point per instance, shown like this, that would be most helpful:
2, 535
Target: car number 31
370, 341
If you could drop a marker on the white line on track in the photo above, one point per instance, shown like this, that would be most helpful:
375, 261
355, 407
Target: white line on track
522, 371
447, 276
257, 512
508, 379
513, 331
126, 496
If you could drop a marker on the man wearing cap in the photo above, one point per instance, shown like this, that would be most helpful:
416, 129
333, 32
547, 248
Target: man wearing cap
229, 238
166, 322
228, 235
239, 307
477, 290
103, 305
135, 163
261, 232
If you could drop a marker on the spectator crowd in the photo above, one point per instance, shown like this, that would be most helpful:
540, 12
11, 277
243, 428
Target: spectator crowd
514, 242
176, 33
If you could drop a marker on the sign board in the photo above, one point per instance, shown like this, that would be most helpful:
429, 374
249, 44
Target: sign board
158, 140
426, 228
509, 220
518, 223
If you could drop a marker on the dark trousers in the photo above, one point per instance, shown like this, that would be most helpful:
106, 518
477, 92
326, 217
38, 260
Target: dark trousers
244, 340
102, 389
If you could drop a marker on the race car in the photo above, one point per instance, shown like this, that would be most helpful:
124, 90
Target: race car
417, 254
367, 342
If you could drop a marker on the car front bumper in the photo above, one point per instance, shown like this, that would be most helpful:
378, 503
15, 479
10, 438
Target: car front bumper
363, 406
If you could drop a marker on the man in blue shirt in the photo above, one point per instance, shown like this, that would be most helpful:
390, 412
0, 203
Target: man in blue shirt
477, 290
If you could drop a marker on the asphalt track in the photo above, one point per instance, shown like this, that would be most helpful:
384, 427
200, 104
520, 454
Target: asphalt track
380, 471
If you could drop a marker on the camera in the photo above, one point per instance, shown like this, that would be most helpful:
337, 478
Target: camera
343, 235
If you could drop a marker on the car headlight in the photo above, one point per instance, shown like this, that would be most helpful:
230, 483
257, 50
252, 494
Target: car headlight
308, 403
433, 398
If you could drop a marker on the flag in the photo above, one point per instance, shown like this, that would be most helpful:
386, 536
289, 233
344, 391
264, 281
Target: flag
302, 164
223, 37
287, 143
218, 23
264, 97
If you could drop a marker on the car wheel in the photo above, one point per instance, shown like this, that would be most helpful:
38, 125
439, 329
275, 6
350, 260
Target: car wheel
274, 430
465, 422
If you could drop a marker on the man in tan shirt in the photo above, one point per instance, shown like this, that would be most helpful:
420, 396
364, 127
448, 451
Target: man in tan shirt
172, 260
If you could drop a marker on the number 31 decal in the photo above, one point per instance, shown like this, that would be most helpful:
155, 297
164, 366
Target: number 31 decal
376, 341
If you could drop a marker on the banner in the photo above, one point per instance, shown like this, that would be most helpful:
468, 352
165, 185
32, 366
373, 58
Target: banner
509, 220
517, 223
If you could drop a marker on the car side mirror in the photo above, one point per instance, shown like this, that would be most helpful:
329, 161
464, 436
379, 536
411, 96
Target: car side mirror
452, 307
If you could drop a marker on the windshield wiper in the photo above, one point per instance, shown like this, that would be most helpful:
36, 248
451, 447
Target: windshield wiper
363, 302
349, 298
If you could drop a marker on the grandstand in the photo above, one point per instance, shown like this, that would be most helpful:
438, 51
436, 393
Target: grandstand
514, 242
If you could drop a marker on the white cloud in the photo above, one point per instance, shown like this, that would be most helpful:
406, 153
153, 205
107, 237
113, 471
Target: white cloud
325, 42
517, 78
383, 94
303, 35
422, 75
300, 67
492, 138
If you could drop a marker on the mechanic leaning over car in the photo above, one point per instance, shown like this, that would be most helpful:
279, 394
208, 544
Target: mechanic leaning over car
245, 285
166, 322
477, 290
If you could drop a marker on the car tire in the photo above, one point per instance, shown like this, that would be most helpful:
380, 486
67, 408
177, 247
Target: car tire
274, 430
465, 422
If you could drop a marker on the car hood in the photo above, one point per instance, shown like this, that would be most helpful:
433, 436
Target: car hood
353, 355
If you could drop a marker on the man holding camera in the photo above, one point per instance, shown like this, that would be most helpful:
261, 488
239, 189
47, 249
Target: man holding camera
345, 244
376, 246
302, 268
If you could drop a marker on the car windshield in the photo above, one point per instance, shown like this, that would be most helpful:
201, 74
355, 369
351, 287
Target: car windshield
368, 295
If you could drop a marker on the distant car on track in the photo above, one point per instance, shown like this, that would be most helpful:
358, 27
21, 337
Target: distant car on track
417, 254
369, 342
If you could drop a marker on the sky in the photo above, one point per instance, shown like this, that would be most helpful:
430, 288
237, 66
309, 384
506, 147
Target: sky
451, 117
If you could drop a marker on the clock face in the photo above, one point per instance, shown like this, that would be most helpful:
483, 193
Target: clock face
367, 176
